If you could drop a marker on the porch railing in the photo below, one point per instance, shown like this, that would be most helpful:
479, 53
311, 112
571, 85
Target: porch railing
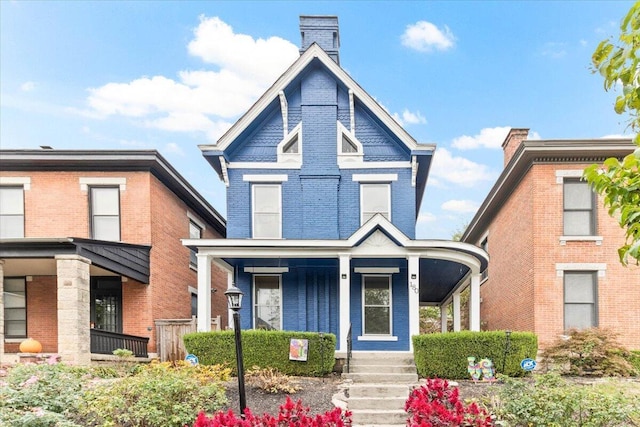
349, 343
103, 342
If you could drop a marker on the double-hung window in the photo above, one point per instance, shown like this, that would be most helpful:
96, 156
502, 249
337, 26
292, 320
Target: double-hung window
11, 212
195, 232
267, 211
15, 307
267, 306
376, 299
579, 208
375, 198
105, 213
580, 299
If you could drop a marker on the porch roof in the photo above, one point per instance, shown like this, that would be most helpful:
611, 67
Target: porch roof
124, 259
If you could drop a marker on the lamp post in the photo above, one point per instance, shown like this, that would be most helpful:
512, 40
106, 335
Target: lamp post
234, 300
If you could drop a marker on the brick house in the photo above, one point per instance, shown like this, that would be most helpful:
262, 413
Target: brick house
553, 247
90, 251
323, 193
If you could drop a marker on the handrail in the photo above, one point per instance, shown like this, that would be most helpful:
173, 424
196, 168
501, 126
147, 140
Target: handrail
104, 342
349, 343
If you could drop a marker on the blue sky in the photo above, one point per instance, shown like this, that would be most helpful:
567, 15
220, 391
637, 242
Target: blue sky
171, 75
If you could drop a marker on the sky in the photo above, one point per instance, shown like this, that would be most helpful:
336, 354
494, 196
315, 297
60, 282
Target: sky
171, 75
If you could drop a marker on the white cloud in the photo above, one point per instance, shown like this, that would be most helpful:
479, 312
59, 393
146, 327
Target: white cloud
409, 118
424, 36
533, 135
487, 138
554, 50
458, 170
463, 206
203, 101
425, 217
173, 148
27, 86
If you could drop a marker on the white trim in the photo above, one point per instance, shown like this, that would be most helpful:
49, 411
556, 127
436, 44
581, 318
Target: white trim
284, 109
377, 338
265, 178
344, 300
223, 168
414, 170
388, 185
196, 220
352, 113
377, 270
343, 158
254, 299
375, 165
266, 270
291, 157
561, 174
561, 267
85, 182
24, 181
262, 165
375, 177
192, 290
597, 239
253, 206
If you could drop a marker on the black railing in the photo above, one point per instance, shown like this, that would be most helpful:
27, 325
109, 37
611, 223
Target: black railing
103, 342
349, 342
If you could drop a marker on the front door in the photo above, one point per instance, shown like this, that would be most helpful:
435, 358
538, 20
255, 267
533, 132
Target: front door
106, 304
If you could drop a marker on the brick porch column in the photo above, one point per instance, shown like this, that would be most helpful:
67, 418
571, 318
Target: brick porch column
1, 309
74, 340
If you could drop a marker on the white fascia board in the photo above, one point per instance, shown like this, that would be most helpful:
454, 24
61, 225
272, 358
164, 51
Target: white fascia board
313, 52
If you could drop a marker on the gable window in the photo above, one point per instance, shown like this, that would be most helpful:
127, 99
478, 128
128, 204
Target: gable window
290, 148
11, 212
348, 146
267, 211
105, 213
579, 208
376, 305
267, 302
580, 299
375, 198
15, 307
195, 232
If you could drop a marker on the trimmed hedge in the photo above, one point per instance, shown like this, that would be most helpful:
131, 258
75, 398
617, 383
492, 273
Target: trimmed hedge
445, 355
265, 349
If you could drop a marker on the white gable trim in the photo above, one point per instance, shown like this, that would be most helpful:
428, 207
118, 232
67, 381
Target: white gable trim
352, 113
223, 168
284, 108
313, 52
291, 157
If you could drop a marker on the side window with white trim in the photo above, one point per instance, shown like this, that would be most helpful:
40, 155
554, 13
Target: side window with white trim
267, 211
375, 198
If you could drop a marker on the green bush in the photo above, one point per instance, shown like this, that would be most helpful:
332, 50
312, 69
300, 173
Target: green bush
265, 349
551, 401
634, 359
161, 394
445, 355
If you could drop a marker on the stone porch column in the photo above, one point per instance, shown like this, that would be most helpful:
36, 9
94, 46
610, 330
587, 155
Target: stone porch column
414, 298
204, 293
1, 309
74, 339
345, 300
474, 303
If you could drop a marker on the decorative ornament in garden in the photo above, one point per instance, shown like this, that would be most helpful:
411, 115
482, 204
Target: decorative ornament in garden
30, 346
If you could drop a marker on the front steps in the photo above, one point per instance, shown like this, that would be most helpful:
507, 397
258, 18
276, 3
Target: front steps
379, 384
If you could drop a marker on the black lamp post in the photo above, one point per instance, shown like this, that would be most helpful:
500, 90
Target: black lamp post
234, 300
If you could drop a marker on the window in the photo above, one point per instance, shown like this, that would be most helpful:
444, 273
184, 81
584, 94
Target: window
580, 296
105, 213
195, 232
485, 247
106, 304
266, 302
267, 223
11, 212
376, 308
15, 307
579, 201
375, 198
347, 145
194, 304
291, 147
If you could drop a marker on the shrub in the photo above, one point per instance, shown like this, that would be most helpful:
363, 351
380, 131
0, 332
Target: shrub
265, 349
634, 359
589, 352
290, 414
436, 404
270, 380
551, 401
445, 355
161, 394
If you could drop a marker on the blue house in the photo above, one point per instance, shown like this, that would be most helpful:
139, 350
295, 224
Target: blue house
323, 193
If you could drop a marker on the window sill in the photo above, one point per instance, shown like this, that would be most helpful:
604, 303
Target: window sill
596, 239
14, 340
377, 338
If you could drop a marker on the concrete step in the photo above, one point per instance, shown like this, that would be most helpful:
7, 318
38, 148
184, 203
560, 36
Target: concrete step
382, 358
373, 390
390, 369
378, 416
402, 378
387, 403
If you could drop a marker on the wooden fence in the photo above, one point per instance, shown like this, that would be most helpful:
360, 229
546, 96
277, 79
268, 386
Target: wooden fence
169, 336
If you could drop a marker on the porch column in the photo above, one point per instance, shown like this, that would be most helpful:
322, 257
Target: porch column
74, 337
1, 309
414, 297
443, 318
456, 312
204, 293
474, 303
345, 300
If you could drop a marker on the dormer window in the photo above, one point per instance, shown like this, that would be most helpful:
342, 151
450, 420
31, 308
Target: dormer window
290, 148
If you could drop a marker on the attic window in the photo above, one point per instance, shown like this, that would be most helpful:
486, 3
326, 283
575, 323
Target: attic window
291, 147
348, 146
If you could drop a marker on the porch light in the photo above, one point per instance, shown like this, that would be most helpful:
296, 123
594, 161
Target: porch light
234, 298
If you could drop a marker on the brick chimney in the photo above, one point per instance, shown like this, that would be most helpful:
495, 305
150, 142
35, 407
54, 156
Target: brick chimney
512, 142
322, 30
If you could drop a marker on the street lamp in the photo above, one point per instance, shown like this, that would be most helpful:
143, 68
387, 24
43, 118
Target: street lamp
234, 300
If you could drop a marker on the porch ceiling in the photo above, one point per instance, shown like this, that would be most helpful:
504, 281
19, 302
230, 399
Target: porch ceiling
106, 257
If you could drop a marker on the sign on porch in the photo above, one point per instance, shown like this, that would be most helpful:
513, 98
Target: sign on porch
298, 349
